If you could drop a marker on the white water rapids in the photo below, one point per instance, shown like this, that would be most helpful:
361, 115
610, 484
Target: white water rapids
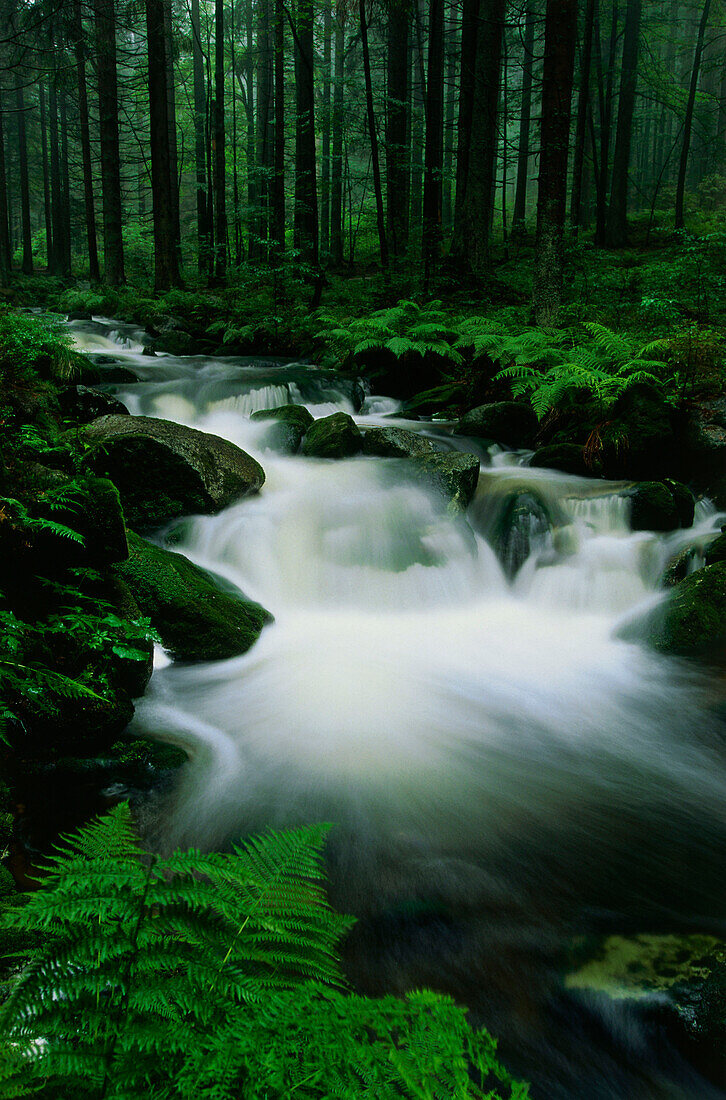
488, 747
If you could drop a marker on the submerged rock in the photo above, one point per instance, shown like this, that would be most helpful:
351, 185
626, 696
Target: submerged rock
196, 620
334, 436
569, 458
164, 470
509, 423
523, 522
454, 475
396, 443
290, 424
660, 506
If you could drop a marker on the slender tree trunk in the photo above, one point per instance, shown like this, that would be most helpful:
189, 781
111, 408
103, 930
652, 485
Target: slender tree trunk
251, 144
397, 125
336, 165
173, 144
325, 121
237, 215
418, 113
470, 245
380, 217
688, 121
605, 111
447, 208
220, 220
434, 156
278, 182
617, 223
113, 249
557, 79
46, 184
4, 229
262, 128
200, 122
583, 102
65, 190
27, 235
520, 194
306, 199
166, 268
55, 182
467, 72
80, 51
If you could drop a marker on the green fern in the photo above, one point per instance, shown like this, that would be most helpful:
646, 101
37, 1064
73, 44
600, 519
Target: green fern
214, 975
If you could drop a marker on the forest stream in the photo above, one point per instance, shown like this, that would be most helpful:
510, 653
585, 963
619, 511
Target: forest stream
510, 771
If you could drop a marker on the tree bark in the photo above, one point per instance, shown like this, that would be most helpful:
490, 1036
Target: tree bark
166, 268
325, 122
172, 139
380, 217
55, 183
90, 208
27, 236
220, 190
583, 103
278, 182
605, 110
200, 124
688, 121
434, 154
557, 79
113, 249
617, 223
336, 164
4, 229
306, 198
519, 211
50, 262
397, 125
262, 128
65, 190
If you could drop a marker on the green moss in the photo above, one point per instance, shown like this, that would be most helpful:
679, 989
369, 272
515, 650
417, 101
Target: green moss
693, 622
635, 967
333, 436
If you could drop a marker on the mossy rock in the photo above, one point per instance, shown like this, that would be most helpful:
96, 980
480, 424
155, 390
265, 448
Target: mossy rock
524, 521
568, 458
660, 506
509, 423
693, 621
82, 404
640, 440
97, 516
334, 436
716, 551
195, 619
396, 443
164, 470
454, 475
290, 424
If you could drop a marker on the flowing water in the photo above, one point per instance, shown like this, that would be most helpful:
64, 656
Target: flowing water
504, 771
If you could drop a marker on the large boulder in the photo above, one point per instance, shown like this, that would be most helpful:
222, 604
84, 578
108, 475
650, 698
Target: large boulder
289, 424
716, 551
660, 506
524, 522
569, 458
334, 436
164, 470
705, 448
509, 423
396, 443
641, 440
692, 623
195, 618
454, 475
83, 404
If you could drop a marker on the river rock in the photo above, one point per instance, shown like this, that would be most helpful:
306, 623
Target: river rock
569, 458
705, 448
660, 506
164, 470
509, 423
396, 443
692, 623
83, 404
641, 440
716, 551
196, 620
334, 436
524, 521
95, 514
677, 982
454, 474
290, 424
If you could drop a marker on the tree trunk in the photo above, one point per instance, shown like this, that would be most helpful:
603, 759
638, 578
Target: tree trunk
470, 245
605, 110
519, 212
80, 51
557, 79
418, 112
65, 190
688, 121
220, 190
447, 208
4, 229
278, 182
27, 235
325, 148
617, 223
583, 102
306, 199
397, 125
434, 155
166, 269
336, 165
262, 127
172, 139
113, 249
380, 217
55, 183
50, 262
200, 123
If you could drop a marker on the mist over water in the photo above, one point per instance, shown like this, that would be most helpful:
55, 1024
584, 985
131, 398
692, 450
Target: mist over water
497, 760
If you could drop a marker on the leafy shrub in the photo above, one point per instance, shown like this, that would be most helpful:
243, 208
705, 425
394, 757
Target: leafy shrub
215, 975
404, 331
34, 345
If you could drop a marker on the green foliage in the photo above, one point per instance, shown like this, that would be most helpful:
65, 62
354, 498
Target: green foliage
215, 975
34, 345
405, 330
600, 370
